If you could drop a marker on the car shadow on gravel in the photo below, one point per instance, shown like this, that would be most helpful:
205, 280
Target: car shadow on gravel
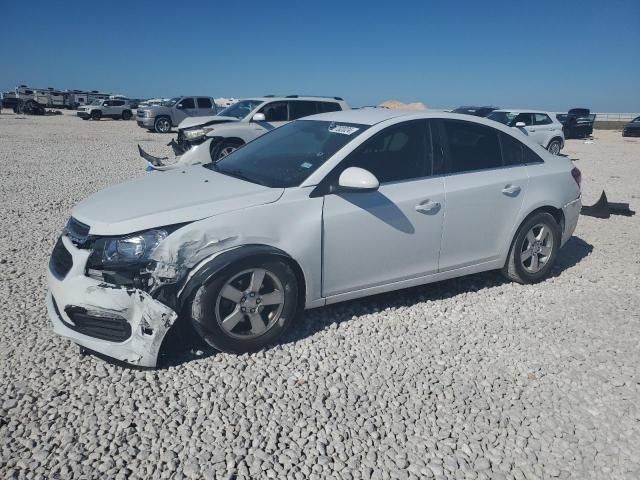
189, 348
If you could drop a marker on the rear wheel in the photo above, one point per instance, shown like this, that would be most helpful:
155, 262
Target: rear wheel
554, 146
248, 306
224, 148
126, 115
96, 115
162, 125
534, 249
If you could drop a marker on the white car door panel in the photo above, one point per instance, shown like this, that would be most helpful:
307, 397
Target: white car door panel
379, 237
480, 211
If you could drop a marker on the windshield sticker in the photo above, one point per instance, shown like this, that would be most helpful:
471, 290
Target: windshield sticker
342, 129
307, 165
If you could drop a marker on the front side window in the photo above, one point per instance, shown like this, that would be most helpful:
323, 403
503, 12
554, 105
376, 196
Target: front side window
396, 153
240, 109
204, 102
541, 119
503, 117
286, 156
275, 112
187, 103
471, 146
526, 118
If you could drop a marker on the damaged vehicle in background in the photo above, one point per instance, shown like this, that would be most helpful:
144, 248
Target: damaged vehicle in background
542, 127
235, 250
205, 139
632, 129
577, 123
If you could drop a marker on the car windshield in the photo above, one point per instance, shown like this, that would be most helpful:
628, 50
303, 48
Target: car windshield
286, 156
170, 103
503, 117
240, 109
97, 101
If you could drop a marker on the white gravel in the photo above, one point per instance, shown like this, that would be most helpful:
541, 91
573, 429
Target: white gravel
470, 378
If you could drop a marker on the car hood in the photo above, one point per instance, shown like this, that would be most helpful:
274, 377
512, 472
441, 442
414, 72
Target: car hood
207, 120
177, 196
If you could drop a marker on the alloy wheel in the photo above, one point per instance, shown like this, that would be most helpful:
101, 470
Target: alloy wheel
250, 303
536, 248
163, 125
226, 151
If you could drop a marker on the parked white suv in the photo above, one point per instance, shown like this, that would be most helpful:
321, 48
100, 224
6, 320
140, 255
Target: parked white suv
324, 209
112, 108
542, 127
205, 139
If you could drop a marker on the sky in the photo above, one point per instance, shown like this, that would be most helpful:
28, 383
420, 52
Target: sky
550, 55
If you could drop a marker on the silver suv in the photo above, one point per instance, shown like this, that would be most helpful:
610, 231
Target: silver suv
111, 108
161, 118
206, 139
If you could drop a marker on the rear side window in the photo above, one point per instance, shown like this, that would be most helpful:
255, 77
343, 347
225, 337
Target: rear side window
511, 150
529, 156
541, 119
117, 103
527, 118
301, 108
324, 107
204, 102
471, 146
187, 103
399, 152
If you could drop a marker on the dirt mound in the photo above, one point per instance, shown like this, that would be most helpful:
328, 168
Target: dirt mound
404, 106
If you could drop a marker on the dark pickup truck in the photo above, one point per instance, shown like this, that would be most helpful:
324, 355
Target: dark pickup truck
577, 123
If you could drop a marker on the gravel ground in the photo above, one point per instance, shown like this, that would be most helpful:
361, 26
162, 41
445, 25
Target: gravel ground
469, 378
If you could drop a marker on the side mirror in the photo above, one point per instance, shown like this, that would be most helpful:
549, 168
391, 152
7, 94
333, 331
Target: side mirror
355, 179
259, 117
520, 124
180, 106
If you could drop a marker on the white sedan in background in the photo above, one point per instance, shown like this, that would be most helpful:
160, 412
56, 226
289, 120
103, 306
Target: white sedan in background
542, 127
328, 208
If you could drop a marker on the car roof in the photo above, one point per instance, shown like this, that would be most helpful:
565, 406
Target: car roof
372, 116
521, 110
293, 97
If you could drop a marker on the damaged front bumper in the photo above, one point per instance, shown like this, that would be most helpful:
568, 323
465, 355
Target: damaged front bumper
199, 154
124, 323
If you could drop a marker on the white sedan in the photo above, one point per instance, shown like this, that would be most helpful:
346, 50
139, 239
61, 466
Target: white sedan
333, 207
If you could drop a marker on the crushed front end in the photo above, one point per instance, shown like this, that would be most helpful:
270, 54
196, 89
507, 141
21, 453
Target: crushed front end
100, 295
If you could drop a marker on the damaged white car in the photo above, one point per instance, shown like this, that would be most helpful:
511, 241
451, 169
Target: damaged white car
205, 139
333, 207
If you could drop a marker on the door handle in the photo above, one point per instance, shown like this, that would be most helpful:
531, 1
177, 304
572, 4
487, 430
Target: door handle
511, 190
428, 206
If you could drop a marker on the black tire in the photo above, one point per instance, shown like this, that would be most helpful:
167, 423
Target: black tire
224, 148
516, 269
207, 302
555, 146
96, 115
85, 118
162, 125
126, 115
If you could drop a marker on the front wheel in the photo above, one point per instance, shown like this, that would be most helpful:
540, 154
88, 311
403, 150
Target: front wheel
224, 148
554, 147
96, 115
534, 249
162, 125
248, 306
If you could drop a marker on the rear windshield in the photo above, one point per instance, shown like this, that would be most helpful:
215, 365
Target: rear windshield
286, 156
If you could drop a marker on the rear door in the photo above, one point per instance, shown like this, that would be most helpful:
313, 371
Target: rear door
485, 184
393, 234
205, 106
545, 128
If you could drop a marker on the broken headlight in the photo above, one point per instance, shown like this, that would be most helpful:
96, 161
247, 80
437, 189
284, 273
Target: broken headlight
119, 260
196, 133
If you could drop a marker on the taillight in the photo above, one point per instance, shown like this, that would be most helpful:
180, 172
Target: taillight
577, 175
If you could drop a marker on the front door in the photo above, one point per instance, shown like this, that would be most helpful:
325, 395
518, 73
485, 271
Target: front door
393, 234
484, 193
184, 108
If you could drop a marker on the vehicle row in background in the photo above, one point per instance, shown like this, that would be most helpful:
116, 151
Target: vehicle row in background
542, 127
210, 138
577, 123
